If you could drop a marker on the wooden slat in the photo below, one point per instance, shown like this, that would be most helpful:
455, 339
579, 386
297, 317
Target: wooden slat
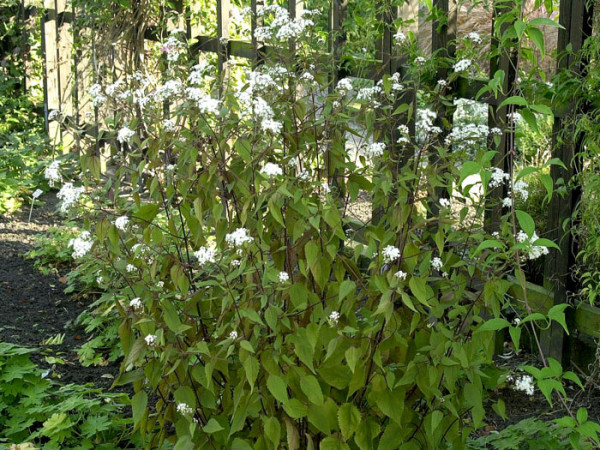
576, 22
223, 7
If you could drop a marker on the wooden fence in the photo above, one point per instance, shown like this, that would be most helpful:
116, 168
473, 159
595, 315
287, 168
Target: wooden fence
68, 71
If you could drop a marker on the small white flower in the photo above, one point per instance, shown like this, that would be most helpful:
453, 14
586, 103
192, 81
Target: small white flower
474, 38
496, 131
238, 238
52, 173
463, 64
496, 234
184, 409
326, 188
442, 83
169, 125
436, 263
334, 317
150, 340
121, 223
444, 203
400, 275
135, 303
81, 245
233, 335
271, 170
125, 135
54, 115
516, 320
205, 255
374, 149
420, 61
390, 253
271, 125
525, 384
236, 263
520, 188
161, 284
400, 38
344, 86
507, 202
130, 268
99, 280
498, 177
283, 277
522, 236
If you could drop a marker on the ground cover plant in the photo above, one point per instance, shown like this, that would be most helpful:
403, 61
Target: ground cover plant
255, 311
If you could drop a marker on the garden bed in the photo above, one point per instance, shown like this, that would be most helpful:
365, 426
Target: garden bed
35, 308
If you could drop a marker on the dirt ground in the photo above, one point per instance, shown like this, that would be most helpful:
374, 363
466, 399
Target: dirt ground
34, 306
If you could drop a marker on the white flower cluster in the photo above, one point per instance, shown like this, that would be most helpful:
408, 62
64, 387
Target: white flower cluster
400, 38
334, 318
233, 335
205, 103
130, 268
462, 65
369, 94
445, 203
168, 90
169, 126
468, 137
205, 255
374, 149
344, 86
238, 238
81, 245
151, 340
96, 95
424, 125
396, 85
400, 275
69, 195
507, 202
474, 37
51, 173
534, 251
420, 61
172, 47
121, 223
282, 27
498, 177
436, 263
525, 384
184, 409
113, 89
136, 303
520, 188
198, 72
125, 134
390, 253
283, 277
271, 170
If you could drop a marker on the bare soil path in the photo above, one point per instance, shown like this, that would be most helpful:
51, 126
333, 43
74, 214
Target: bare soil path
34, 307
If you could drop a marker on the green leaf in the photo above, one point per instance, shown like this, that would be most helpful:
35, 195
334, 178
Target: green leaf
537, 37
526, 222
348, 419
138, 406
353, 354
212, 426
251, 367
557, 313
418, 287
147, 212
544, 21
488, 243
514, 100
312, 389
278, 388
311, 250
295, 408
273, 431
346, 287
493, 325
543, 242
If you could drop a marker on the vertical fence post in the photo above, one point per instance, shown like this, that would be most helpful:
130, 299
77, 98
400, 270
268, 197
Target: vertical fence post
223, 7
575, 18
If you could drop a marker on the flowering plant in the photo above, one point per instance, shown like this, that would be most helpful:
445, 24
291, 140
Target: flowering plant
259, 308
